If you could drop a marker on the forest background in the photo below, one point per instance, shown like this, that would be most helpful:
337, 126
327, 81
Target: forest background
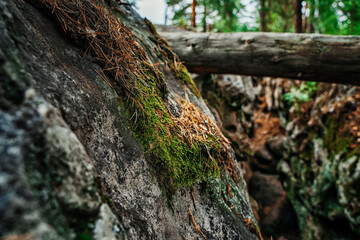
310, 16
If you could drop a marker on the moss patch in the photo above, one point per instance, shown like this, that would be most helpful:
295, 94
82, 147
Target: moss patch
336, 142
175, 162
185, 78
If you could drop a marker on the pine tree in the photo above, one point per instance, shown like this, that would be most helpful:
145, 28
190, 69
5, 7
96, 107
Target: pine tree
223, 14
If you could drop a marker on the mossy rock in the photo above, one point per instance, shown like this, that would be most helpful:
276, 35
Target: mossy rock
175, 162
185, 78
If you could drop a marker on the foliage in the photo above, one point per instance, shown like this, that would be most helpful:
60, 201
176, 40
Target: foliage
324, 16
338, 17
320, 16
278, 15
215, 15
327, 21
302, 94
349, 19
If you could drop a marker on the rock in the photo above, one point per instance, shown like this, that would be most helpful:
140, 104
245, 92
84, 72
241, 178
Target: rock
279, 146
289, 126
75, 172
238, 89
273, 93
316, 189
107, 226
276, 213
20, 211
264, 161
349, 105
276, 146
348, 187
248, 173
264, 156
66, 146
316, 156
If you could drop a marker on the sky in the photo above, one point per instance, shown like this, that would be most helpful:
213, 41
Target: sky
154, 10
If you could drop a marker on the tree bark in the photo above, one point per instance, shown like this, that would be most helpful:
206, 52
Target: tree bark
304, 19
311, 57
262, 16
193, 14
297, 15
310, 25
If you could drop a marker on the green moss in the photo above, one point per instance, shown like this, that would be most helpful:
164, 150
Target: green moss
185, 78
83, 236
150, 27
336, 142
176, 164
170, 54
156, 37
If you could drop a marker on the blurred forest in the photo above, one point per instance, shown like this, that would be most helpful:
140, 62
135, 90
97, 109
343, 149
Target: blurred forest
310, 16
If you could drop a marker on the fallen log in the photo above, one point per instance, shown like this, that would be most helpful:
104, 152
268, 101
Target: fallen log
311, 57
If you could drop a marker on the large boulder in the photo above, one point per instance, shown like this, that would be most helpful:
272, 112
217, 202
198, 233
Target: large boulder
71, 165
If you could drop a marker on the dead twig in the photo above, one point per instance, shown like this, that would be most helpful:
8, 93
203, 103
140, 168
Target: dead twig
228, 188
195, 225
193, 198
182, 236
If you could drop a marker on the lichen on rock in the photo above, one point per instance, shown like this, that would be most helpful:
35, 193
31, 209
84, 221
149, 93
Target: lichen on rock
320, 175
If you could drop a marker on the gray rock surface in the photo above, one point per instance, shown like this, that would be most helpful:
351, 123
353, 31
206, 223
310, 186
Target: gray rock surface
70, 167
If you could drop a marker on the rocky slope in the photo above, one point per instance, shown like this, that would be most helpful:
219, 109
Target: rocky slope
299, 143
74, 164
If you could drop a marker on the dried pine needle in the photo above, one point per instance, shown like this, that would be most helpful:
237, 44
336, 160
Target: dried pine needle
109, 42
196, 126
112, 44
195, 225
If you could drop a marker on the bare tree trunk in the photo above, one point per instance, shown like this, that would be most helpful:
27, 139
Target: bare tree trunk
304, 19
297, 15
193, 14
310, 24
262, 16
312, 57
353, 13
